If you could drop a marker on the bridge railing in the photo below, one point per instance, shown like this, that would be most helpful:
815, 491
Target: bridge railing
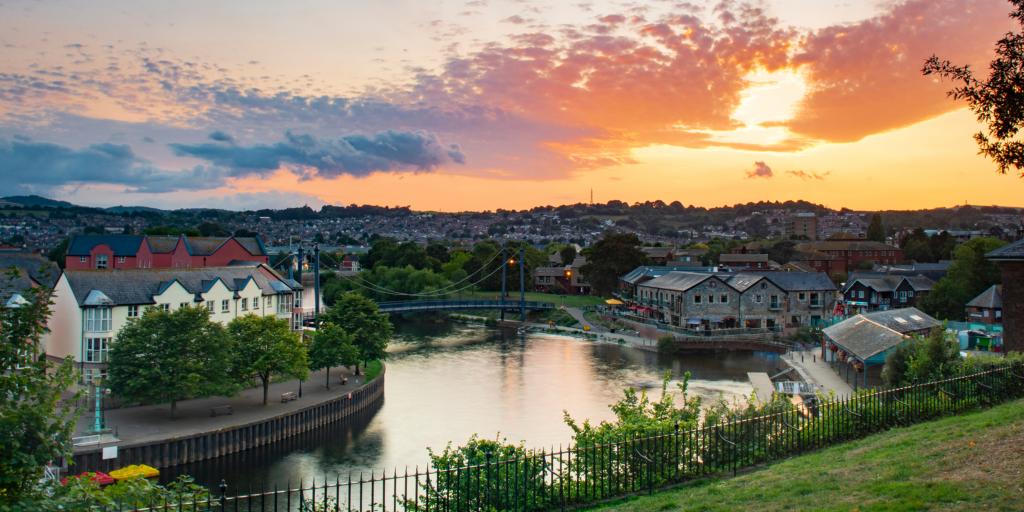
407, 305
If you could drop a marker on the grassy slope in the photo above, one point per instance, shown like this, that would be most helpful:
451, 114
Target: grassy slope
969, 462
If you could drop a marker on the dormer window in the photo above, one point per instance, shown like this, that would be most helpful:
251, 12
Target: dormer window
101, 261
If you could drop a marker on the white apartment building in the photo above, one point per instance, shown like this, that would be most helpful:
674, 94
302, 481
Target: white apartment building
91, 306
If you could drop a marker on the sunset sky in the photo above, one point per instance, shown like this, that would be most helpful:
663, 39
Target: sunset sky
481, 104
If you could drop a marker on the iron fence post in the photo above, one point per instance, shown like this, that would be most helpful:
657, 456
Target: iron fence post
223, 494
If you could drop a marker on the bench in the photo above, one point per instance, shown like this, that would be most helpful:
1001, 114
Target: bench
221, 410
288, 396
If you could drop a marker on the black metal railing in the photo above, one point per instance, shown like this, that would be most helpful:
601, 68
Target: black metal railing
594, 472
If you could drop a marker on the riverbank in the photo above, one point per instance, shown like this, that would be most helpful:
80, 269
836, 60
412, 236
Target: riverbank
968, 462
148, 435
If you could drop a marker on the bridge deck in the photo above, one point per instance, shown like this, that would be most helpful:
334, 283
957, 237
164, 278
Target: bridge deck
441, 305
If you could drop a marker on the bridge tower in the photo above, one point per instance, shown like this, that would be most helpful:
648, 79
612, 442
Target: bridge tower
522, 284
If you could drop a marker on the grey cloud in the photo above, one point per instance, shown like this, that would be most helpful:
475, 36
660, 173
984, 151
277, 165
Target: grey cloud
41, 166
354, 155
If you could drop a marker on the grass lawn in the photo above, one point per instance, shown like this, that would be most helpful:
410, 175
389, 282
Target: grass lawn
969, 462
372, 370
566, 300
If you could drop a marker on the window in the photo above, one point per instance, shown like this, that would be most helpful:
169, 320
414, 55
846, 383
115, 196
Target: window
984, 313
90, 375
860, 294
999, 313
121, 259
298, 300
711, 299
724, 298
83, 259
133, 311
255, 302
97, 319
165, 307
209, 306
96, 350
245, 304
696, 299
764, 286
801, 296
759, 298
224, 306
101, 261
773, 300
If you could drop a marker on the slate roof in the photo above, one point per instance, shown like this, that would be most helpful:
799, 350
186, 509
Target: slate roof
678, 281
205, 245
138, 286
1012, 252
888, 282
903, 320
862, 337
991, 298
13, 284
742, 281
122, 245
39, 269
798, 281
742, 258
549, 271
657, 252
638, 273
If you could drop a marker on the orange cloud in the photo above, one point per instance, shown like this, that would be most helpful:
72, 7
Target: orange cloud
866, 78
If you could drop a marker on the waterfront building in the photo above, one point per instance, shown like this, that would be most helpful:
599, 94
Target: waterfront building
562, 279
108, 252
873, 292
748, 261
747, 300
863, 342
91, 306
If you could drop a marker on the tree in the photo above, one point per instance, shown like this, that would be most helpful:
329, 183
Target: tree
919, 360
876, 231
34, 427
212, 229
610, 257
170, 356
266, 347
995, 101
359, 317
969, 274
568, 254
332, 346
58, 254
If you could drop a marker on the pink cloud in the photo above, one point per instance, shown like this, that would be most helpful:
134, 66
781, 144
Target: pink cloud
866, 78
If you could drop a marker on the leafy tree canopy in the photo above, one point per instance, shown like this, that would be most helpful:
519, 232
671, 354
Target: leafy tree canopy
35, 428
265, 347
969, 274
359, 317
610, 257
170, 356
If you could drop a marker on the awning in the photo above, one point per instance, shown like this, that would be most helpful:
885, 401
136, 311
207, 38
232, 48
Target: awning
613, 302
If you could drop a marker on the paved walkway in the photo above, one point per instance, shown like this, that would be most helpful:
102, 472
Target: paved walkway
577, 313
816, 371
154, 422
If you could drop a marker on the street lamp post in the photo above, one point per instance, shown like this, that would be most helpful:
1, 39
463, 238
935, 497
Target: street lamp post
98, 422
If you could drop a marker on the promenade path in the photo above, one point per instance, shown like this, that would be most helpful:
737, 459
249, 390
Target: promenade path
153, 422
577, 314
816, 371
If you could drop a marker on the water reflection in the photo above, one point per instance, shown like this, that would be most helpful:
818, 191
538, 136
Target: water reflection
446, 382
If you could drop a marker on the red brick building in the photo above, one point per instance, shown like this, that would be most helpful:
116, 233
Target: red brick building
1010, 259
142, 251
845, 256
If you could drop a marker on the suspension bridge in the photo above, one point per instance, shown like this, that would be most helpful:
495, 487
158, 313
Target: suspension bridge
404, 306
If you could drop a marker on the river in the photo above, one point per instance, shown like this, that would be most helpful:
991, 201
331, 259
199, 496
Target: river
446, 382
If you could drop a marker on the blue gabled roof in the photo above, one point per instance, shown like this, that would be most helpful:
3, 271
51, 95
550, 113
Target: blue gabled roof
122, 245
